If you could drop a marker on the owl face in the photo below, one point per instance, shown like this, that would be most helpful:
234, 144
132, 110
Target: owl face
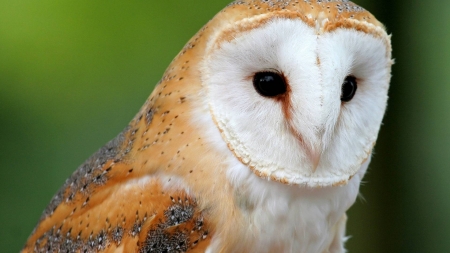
299, 97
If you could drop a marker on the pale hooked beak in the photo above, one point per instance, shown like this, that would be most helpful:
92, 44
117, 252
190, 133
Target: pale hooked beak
314, 154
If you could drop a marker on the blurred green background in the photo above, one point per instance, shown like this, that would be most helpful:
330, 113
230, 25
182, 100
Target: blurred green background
73, 73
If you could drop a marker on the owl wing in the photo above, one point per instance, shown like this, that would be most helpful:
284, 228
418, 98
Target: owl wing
108, 206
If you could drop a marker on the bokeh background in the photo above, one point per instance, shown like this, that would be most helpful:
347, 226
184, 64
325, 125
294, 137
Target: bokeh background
73, 73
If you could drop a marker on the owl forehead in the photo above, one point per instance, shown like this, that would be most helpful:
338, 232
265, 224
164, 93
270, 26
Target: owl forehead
312, 11
323, 16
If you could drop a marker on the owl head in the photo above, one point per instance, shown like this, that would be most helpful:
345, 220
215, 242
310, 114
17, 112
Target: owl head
298, 89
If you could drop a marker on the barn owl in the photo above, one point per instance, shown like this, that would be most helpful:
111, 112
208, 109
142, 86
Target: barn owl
255, 140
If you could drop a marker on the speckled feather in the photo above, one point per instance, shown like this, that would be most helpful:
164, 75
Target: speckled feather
151, 189
333, 9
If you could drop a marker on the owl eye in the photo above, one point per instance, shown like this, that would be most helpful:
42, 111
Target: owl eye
269, 84
348, 88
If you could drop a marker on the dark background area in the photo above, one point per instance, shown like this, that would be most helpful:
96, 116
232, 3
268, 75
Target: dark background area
74, 73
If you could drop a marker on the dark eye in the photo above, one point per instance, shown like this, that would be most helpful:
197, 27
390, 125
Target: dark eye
269, 84
348, 88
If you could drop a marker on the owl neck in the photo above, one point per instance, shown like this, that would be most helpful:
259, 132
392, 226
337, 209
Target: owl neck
272, 217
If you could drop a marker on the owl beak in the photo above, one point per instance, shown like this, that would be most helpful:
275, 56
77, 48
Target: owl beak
314, 156
313, 151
